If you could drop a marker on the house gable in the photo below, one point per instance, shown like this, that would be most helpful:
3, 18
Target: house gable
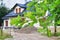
18, 9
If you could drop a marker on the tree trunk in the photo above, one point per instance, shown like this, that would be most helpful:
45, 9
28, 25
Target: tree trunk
55, 30
55, 25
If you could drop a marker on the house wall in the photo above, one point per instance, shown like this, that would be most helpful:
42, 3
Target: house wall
18, 7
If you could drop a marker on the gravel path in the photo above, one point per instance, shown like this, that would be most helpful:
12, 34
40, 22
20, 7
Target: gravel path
32, 36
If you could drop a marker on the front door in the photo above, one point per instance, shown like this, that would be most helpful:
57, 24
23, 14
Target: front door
6, 23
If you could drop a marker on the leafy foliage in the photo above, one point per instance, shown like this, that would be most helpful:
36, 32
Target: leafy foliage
31, 15
39, 10
17, 21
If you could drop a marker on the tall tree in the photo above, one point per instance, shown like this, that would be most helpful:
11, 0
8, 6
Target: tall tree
3, 12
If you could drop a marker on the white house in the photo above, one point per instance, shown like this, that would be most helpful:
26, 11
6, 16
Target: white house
18, 9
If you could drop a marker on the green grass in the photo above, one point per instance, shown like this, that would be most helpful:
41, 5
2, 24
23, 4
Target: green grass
57, 34
4, 36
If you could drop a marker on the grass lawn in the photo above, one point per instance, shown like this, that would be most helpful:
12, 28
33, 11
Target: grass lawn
4, 35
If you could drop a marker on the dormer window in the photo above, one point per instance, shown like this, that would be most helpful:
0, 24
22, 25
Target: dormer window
18, 10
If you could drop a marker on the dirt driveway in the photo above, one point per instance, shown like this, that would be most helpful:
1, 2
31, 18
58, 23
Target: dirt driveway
32, 36
21, 35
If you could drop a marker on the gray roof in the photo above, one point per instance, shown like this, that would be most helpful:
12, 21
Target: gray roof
20, 5
12, 14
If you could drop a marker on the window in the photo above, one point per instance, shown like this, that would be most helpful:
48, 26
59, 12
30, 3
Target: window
16, 10
6, 22
19, 10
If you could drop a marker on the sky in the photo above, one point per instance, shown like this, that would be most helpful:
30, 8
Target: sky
10, 3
